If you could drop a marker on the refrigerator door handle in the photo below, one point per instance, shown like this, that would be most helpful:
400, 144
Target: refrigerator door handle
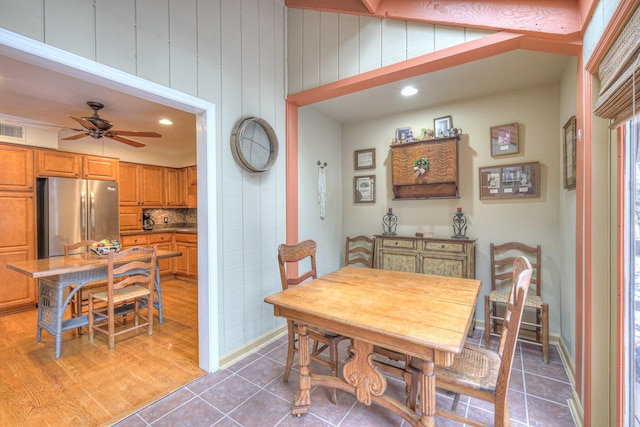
92, 209
83, 215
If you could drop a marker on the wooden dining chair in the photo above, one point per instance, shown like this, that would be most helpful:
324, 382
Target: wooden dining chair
79, 302
502, 257
483, 373
359, 251
129, 286
304, 253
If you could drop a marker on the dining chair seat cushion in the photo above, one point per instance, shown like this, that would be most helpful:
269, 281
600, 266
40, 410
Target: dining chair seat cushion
474, 367
532, 300
123, 294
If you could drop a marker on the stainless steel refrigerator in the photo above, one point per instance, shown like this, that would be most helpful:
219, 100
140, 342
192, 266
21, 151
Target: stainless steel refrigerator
71, 210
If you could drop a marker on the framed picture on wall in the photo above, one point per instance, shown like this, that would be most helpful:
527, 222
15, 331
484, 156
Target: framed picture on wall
364, 190
515, 181
364, 159
441, 126
569, 157
504, 139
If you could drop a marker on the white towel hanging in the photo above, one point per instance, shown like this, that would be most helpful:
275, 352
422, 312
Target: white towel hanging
322, 191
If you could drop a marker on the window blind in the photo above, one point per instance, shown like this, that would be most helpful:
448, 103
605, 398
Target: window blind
617, 72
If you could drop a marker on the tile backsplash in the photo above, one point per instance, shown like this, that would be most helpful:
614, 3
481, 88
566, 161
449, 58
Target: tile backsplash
174, 216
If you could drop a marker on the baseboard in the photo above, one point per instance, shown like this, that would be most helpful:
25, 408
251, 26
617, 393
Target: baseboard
252, 346
576, 409
575, 406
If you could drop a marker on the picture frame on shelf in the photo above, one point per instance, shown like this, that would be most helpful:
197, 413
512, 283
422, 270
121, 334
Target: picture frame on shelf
364, 190
569, 154
521, 180
403, 134
364, 159
441, 126
504, 140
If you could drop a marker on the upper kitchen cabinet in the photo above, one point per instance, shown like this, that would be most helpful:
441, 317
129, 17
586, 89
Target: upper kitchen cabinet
96, 167
172, 191
16, 168
72, 165
141, 185
191, 186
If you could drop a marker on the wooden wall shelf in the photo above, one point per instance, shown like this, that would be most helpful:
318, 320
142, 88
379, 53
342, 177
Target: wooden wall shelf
439, 181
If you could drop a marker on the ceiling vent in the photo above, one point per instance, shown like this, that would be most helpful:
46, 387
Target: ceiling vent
12, 132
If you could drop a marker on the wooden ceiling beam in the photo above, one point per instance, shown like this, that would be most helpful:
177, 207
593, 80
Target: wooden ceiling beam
546, 18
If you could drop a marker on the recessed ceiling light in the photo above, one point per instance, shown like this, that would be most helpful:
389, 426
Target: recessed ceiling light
165, 122
409, 91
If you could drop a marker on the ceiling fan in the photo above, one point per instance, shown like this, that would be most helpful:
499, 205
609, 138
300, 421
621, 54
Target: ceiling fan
97, 127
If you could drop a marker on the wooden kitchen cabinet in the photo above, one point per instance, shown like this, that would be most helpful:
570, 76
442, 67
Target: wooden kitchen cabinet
16, 168
427, 255
191, 186
187, 265
18, 243
97, 167
130, 218
172, 190
141, 185
58, 163
163, 241
73, 165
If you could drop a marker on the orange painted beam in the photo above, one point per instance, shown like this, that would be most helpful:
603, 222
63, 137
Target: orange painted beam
460, 54
291, 154
474, 50
357, 7
550, 17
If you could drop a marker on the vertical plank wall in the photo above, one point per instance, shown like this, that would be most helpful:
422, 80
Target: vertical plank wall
324, 47
230, 53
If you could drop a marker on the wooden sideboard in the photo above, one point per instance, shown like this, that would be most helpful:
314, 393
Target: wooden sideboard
427, 255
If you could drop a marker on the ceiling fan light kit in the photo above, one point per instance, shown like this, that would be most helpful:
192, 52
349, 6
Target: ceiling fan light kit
97, 127
254, 144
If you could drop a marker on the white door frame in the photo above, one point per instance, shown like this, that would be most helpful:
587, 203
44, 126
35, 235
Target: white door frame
36, 53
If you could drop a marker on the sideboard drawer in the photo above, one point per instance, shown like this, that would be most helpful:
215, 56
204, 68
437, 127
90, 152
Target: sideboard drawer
430, 245
398, 243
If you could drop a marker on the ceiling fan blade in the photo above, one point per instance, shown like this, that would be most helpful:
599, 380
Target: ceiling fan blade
135, 133
77, 136
85, 123
131, 142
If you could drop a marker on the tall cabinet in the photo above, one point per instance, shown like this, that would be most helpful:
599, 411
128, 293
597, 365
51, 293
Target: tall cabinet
18, 242
427, 255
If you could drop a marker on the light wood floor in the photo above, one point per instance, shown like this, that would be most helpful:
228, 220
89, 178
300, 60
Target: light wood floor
90, 385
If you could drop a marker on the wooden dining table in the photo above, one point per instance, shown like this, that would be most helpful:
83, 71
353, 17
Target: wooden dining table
56, 274
419, 315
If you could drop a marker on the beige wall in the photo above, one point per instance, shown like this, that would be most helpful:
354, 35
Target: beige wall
533, 221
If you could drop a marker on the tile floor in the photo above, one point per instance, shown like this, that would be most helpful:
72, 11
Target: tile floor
251, 393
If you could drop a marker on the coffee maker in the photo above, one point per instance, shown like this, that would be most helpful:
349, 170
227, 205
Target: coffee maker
147, 222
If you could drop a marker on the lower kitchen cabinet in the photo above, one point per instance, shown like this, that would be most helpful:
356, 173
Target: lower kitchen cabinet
163, 241
18, 243
187, 264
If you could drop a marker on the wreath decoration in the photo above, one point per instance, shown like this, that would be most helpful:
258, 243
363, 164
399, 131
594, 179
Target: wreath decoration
420, 166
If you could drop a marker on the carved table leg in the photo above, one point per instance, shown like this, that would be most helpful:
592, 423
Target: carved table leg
303, 397
428, 397
362, 374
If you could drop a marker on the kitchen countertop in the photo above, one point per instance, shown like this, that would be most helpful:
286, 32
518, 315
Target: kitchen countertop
165, 228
